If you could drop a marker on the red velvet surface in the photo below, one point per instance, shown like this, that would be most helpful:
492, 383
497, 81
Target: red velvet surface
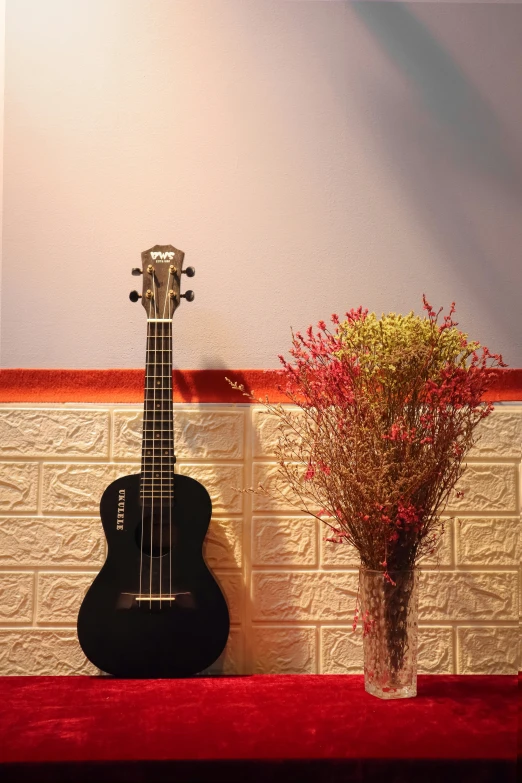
68, 719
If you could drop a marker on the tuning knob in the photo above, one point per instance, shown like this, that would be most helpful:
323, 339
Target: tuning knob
188, 295
134, 296
190, 272
137, 271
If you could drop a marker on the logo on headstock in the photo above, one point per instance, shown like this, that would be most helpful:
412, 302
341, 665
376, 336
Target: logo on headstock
162, 258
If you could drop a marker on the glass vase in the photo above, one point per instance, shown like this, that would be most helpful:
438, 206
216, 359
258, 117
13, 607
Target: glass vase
389, 607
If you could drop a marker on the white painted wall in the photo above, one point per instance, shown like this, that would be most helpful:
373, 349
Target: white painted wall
2, 75
307, 156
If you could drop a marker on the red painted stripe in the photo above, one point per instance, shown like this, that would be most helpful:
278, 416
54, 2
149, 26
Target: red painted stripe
26, 385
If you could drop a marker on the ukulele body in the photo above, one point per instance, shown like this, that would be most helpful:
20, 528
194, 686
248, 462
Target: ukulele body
154, 616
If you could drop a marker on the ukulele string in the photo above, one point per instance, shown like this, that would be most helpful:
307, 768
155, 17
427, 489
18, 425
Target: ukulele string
153, 300
171, 463
143, 459
170, 441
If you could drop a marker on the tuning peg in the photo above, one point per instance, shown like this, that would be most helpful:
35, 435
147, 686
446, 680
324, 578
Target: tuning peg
188, 295
137, 271
134, 296
189, 271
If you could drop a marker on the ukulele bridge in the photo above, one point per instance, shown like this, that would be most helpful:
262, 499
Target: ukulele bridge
184, 600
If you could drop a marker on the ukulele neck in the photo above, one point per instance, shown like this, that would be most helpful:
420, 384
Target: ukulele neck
157, 456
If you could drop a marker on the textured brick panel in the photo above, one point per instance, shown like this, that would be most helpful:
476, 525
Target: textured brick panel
435, 654
223, 543
322, 596
500, 435
222, 482
69, 432
79, 486
208, 434
488, 541
198, 434
266, 432
231, 659
284, 650
233, 588
342, 651
16, 597
284, 541
42, 652
443, 554
48, 541
60, 596
335, 555
488, 650
446, 596
18, 486
127, 433
487, 487
264, 473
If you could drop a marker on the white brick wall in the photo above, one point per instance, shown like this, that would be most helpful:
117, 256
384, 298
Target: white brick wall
291, 593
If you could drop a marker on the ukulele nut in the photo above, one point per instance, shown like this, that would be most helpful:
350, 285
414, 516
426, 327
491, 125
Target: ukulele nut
149, 294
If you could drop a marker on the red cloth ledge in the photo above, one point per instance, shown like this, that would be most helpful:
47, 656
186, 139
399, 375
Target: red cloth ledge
461, 727
26, 385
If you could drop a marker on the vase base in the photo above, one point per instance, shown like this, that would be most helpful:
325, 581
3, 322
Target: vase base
391, 692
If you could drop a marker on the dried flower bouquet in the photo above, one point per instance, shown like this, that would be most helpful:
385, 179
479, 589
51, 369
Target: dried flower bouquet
383, 412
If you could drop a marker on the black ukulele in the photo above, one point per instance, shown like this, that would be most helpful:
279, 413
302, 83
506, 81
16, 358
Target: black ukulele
155, 610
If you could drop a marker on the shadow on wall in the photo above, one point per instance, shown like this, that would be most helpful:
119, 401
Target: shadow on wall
443, 152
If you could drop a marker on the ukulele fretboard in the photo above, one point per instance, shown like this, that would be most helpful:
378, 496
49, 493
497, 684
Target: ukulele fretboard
157, 456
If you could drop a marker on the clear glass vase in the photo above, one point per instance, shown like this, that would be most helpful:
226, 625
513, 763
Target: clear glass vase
389, 607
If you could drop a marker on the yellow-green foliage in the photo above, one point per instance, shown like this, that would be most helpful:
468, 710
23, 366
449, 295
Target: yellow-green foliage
395, 347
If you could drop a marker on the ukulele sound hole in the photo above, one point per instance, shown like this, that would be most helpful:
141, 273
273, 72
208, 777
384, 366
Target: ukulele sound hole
159, 532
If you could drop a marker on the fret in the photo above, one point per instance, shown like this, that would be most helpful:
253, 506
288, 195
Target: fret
150, 483
158, 478
159, 467
147, 499
160, 486
157, 472
156, 465
156, 486
151, 470
163, 489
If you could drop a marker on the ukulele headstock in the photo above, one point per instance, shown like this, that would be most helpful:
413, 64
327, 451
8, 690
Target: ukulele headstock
162, 267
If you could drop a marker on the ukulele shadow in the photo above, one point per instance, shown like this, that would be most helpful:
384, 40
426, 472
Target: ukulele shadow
226, 537
224, 542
